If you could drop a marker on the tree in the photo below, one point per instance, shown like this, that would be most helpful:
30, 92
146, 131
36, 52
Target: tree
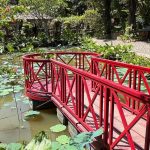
40, 8
107, 18
132, 13
144, 12
44, 10
7, 18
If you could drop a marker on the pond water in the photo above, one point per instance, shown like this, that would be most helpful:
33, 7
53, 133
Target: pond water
14, 104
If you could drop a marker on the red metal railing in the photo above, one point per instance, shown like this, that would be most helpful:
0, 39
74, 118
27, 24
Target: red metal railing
98, 108
37, 70
70, 88
132, 76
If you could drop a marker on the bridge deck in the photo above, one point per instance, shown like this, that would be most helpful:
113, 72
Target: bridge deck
137, 132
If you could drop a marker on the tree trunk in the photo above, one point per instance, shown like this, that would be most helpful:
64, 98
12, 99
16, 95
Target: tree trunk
107, 18
132, 12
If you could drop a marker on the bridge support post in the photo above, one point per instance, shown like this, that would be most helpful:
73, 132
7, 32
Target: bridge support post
72, 130
62, 117
147, 138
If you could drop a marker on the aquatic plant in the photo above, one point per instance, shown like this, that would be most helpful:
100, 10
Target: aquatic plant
41, 141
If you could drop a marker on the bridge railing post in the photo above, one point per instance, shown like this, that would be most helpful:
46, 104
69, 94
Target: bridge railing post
106, 113
52, 77
79, 96
63, 85
93, 71
147, 138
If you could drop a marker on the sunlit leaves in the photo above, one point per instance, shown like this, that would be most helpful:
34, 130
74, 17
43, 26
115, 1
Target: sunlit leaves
4, 93
97, 133
58, 128
84, 138
3, 146
63, 142
56, 145
31, 113
63, 139
14, 146
69, 147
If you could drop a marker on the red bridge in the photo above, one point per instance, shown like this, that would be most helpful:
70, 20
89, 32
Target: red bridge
92, 93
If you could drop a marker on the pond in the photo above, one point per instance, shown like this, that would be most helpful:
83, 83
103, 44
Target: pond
14, 104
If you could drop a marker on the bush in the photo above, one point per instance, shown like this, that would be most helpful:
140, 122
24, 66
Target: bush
71, 31
93, 24
73, 28
118, 52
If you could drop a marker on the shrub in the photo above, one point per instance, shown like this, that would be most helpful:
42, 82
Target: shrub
115, 52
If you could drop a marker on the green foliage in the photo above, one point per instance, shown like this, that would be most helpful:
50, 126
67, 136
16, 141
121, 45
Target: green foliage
74, 27
10, 76
93, 24
56, 145
31, 113
138, 60
41, 142
7, 20
115, 52
89, 45
10, 47
3, 146
143, 12
51, 8
85, 138
63, 139
14, 146
128, 35
58, 128
71, 29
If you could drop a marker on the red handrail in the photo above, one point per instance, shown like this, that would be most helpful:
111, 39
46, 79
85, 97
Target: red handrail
37, 70
69, 84
134, 77
69, 93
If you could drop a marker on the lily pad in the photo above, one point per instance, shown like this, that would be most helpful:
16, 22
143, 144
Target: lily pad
69, 147
58, 128
6, 105
56, 146
84, 137
63, 139
18, 88
14, 146
26, 102
31, 113
4, 93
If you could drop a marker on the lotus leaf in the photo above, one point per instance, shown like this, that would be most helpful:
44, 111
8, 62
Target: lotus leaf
69, 147
85, 138
14, 146
31, 113
63, 139
58, 128
56, 146
4, 93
